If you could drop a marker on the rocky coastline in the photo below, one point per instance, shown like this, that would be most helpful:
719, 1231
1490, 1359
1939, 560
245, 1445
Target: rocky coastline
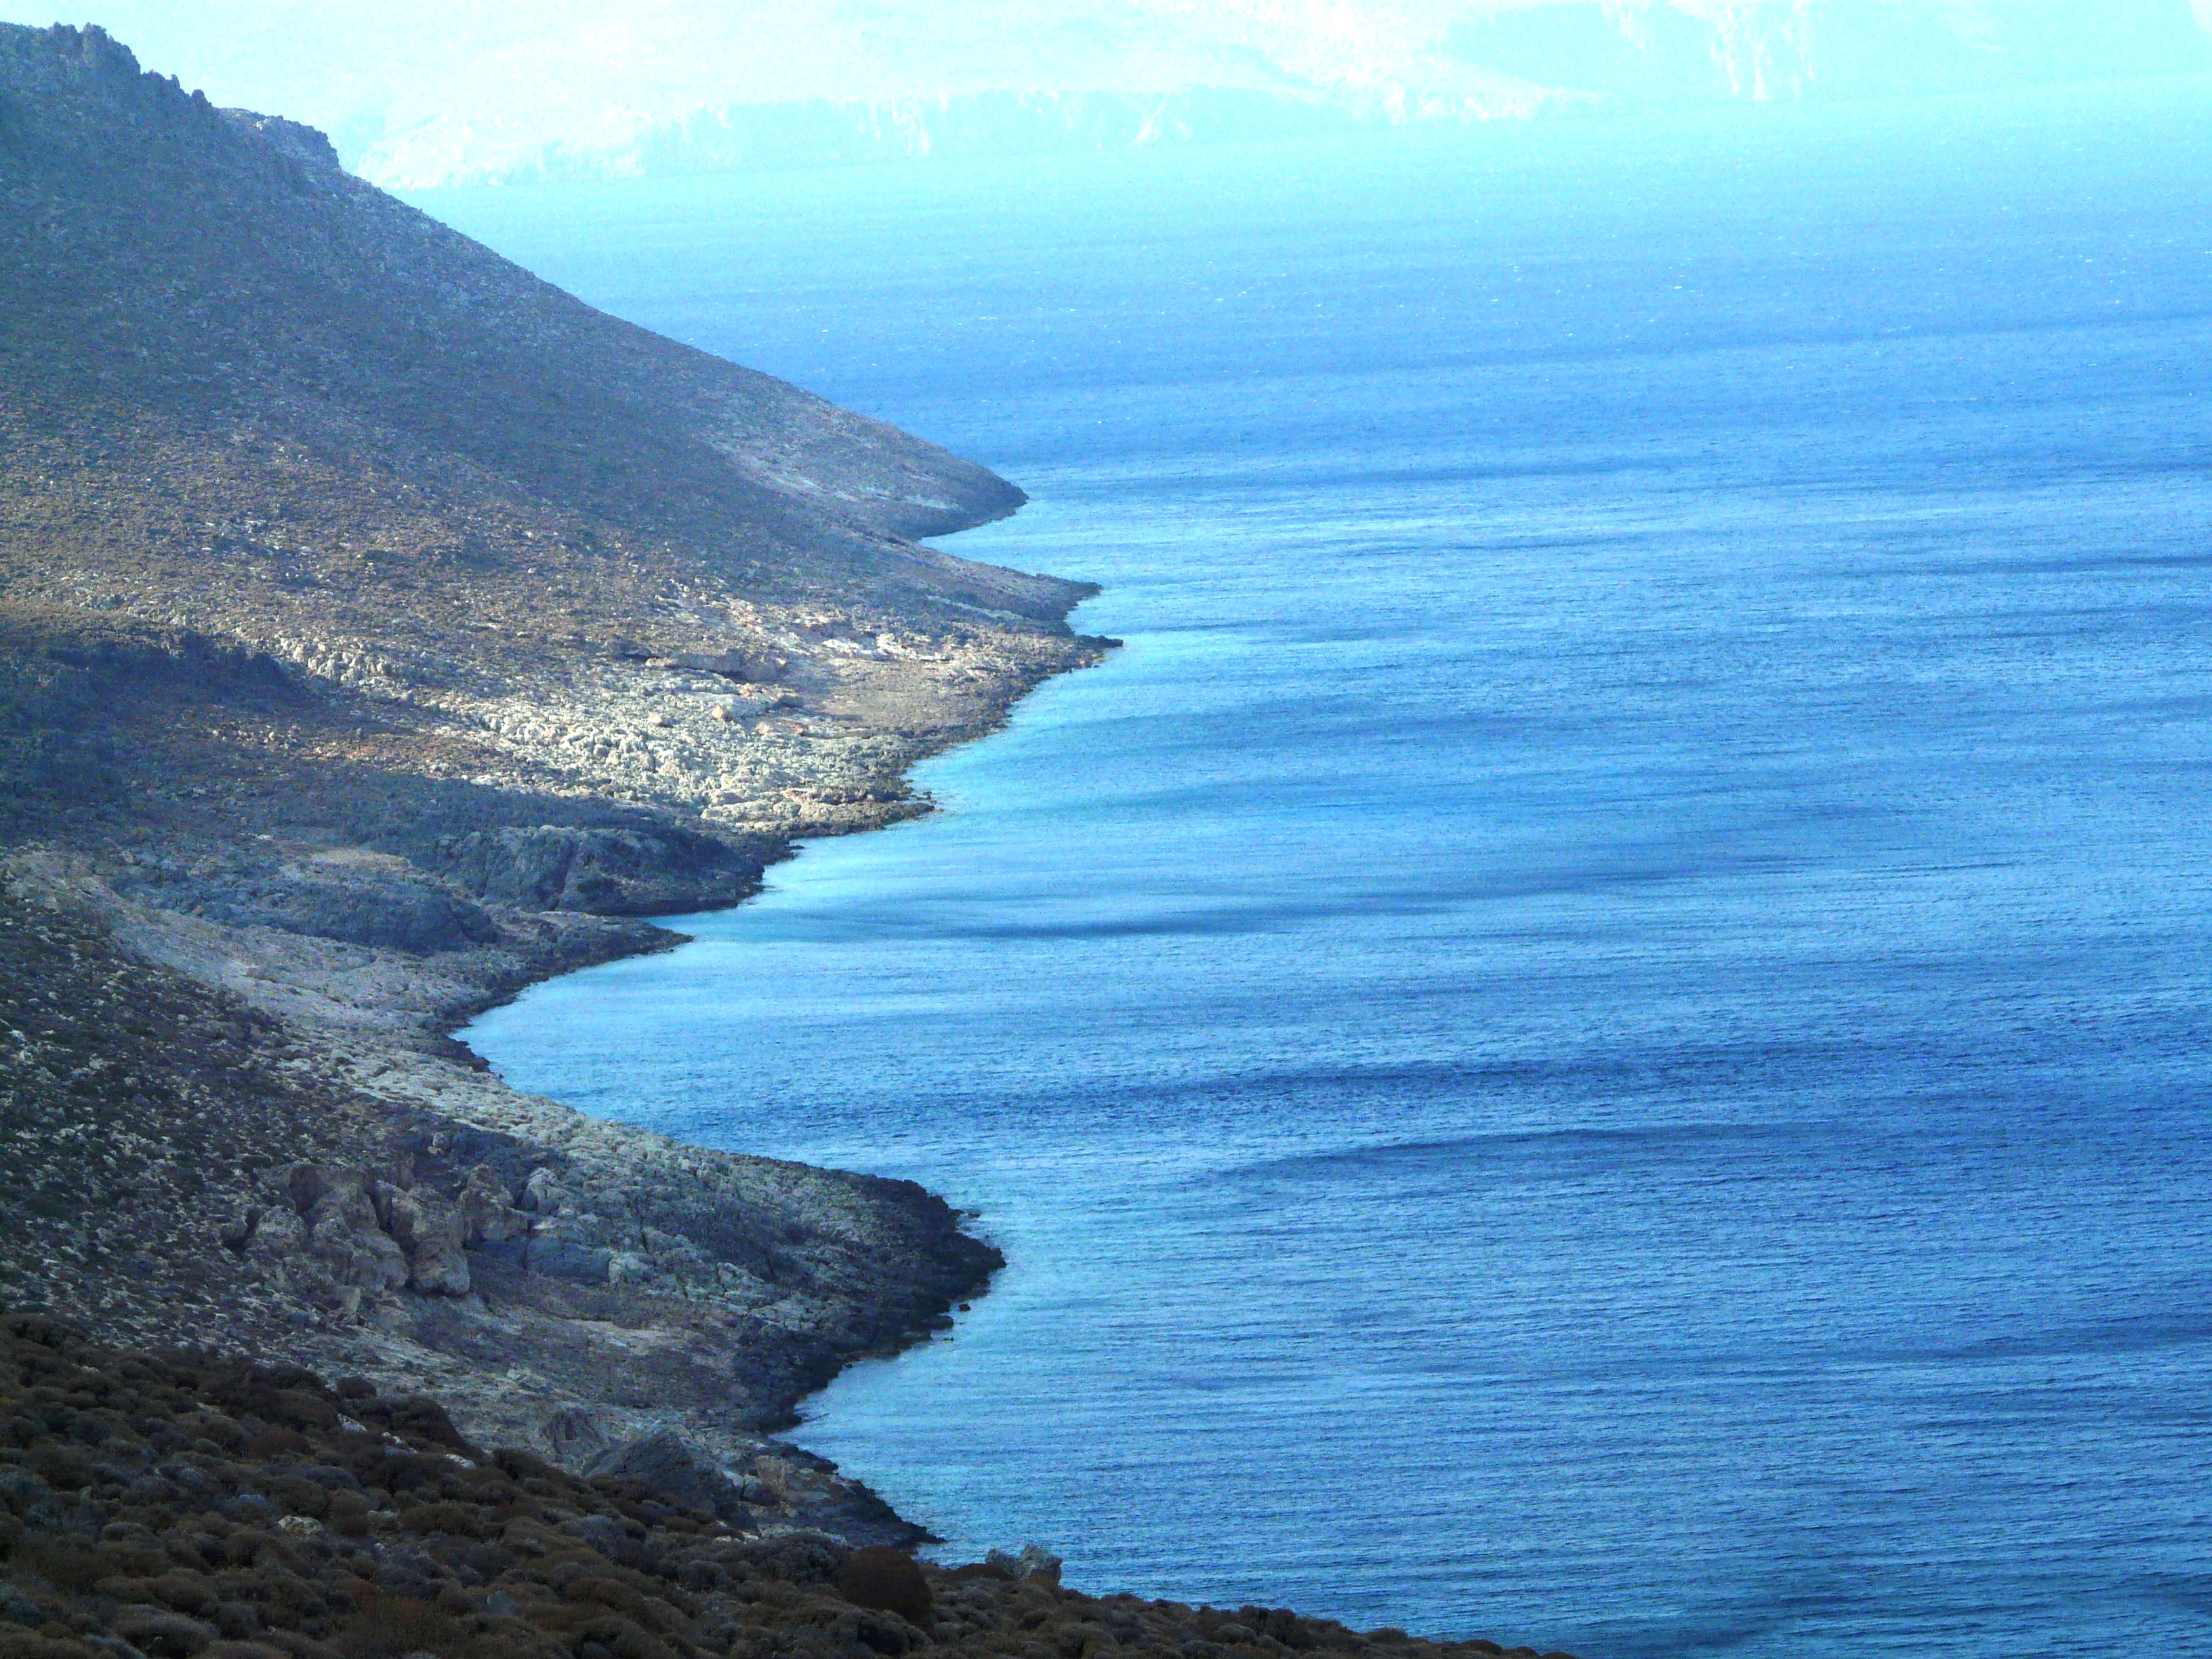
381, 631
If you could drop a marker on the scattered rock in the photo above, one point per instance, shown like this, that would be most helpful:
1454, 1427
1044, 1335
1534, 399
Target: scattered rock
1034, 1562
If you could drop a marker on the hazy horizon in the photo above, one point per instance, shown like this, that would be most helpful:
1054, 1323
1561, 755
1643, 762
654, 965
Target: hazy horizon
418, 96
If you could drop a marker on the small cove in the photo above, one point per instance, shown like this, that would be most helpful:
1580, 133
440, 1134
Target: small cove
1596, 1032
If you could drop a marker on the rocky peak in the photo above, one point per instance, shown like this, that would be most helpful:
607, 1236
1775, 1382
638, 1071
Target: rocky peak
83, 89
295, 138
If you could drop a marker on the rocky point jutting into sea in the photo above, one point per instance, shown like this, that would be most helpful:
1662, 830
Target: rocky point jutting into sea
383, 630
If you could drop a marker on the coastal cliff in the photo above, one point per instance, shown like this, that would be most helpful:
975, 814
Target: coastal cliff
382, 629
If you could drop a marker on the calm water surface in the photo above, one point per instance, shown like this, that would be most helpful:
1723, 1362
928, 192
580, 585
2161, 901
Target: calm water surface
1598, 1031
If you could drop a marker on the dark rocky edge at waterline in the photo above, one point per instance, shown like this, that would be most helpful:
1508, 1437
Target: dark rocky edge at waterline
381, 631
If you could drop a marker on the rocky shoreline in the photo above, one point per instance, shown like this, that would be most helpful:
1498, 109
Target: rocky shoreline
358, 1193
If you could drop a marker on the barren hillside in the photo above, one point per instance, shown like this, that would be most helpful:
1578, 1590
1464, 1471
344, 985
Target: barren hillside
381, 628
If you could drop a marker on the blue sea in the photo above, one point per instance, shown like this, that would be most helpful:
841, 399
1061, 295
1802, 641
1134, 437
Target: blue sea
1600, 1029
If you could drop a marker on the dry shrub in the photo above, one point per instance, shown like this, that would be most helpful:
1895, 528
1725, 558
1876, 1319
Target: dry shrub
393, 1626
278, 1443
289, 1599
396, 1471
416, 1418
69, 1567
523, 1466
887, 1580
613, 1593
187, 1592
244, 1546
161, 1634
297, 1496
29, 1644
351, 1522
622, 1639
63, 1467
561, 1618
457, 1519
214, 1426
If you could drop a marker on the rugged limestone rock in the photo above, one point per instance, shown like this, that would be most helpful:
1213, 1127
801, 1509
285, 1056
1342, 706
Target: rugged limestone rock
344, 1230
431, 1232
606, 872
371, 908
487, 1215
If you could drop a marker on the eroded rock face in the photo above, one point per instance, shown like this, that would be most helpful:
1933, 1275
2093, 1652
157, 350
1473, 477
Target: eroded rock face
431, 1232
487, 1215
345, 1232
278, 1233
373, 1235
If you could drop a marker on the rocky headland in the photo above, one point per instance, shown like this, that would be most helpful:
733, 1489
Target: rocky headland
382, 630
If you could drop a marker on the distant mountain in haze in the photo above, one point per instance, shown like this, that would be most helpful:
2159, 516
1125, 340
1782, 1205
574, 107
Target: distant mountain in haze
627, 88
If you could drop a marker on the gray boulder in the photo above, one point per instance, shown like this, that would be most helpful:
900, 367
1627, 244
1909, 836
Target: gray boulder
486, 1215
345, 1232
430, 1231
558, 1257
544, 1195
355, 905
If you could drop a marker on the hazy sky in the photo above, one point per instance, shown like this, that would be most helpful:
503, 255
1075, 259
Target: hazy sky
416, 90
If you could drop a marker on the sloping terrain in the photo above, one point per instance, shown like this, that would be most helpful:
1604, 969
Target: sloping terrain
176, 1504
381, 630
